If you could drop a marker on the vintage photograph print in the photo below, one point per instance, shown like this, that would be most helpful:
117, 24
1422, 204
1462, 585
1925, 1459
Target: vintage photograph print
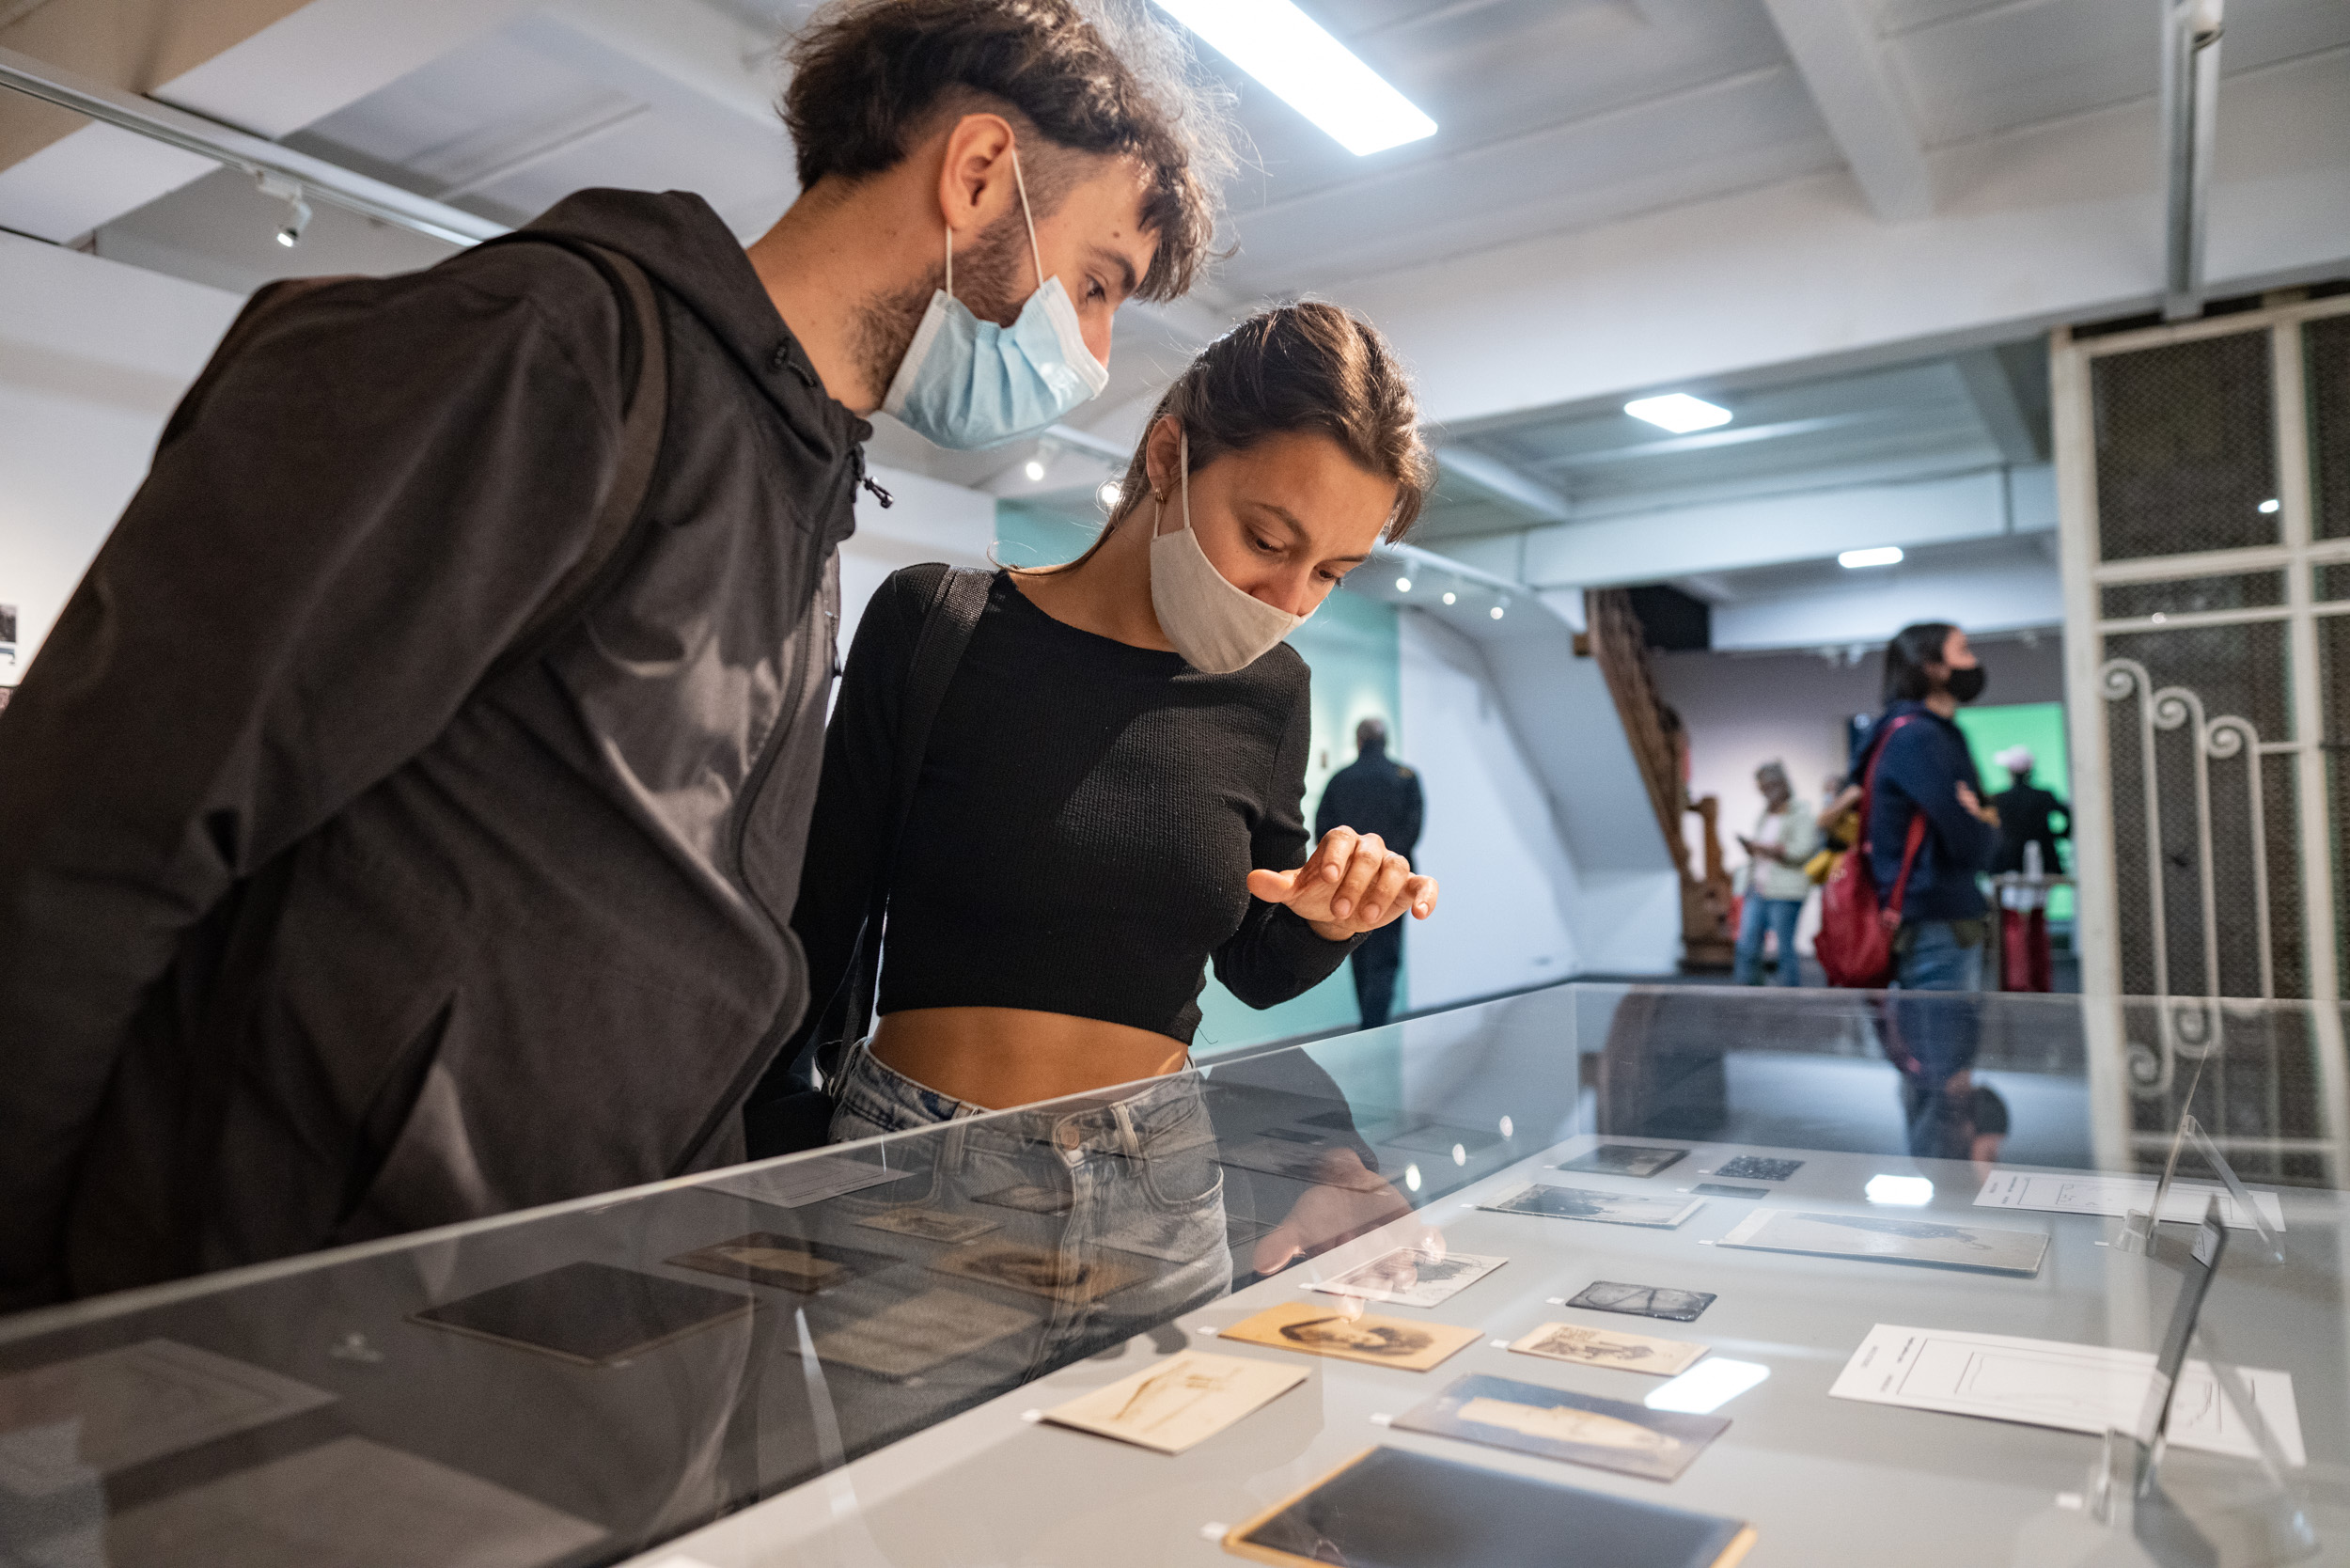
1723, 1189
930, 1225
1606, 1347
1410, 1277
910, 1337
785, 1263
1178, 1402
1325, 1328
592, 1313
1754, 1167
1086, 1275
1624, 1159
1605, 1208
1028, 1197
1644, 1301
1892, 1239
1550, 1423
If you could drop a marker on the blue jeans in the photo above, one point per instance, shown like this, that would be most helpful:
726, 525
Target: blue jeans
1934, 1042
1780, 915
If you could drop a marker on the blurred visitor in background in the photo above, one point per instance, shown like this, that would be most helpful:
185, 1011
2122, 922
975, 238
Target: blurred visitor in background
2027, 817
1784, 840
1375, 794
1928, 837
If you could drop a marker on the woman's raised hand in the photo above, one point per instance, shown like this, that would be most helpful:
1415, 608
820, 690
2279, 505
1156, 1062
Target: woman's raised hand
1353, 883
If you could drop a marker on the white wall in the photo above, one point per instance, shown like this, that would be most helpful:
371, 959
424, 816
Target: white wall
1525, 900
926, 521
93, 354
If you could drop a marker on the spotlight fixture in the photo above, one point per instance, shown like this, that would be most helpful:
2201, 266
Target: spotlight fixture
2269, 505
1883, 555
1403, 585
298, 213
1495, 612
1034, 468
1451, 598
1678, 411
1107, 494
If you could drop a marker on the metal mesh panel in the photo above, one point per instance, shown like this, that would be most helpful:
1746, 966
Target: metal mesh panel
2326, 360
2251, 1079
2333, 671
2186, 451
2331, 580
2246, 591
2237, 671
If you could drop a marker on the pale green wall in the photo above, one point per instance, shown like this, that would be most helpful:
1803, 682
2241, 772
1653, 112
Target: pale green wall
2041, 727
1352, 646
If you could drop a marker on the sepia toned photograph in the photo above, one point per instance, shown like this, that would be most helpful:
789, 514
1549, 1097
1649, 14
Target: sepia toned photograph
1890, 1239
1086, 1275
1604, 1208
1317, 1329
908, 1338
1549, 1423
1646, 1301
1755, 1167
1624, 1159
592, 1313
1028, 1197
1604, 1347
786, 1262
930, 1225
1178, 1402
1410, 1277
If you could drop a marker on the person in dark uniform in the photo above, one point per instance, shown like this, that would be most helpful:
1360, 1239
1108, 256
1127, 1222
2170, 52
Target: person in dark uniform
2026, 816
1374, 795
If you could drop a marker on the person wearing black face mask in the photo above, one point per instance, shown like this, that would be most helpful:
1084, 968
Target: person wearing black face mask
1925, 784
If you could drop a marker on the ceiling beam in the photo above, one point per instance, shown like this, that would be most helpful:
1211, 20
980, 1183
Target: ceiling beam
1505, 483
1997, 406
1835, 46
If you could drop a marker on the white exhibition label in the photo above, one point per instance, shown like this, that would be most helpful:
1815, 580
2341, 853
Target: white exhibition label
2116, 1196
2072, 1387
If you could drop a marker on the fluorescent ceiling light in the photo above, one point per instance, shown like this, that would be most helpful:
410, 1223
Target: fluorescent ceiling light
1708, 1385
1908, 1191
2269, 505
1678, 411
1883, 555
1306, 69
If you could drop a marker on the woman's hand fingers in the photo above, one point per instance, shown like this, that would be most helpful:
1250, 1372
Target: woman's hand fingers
1363, 865
1384, 901
1275, 887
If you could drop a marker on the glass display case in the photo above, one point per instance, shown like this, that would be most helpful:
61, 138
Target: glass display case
1598, 1274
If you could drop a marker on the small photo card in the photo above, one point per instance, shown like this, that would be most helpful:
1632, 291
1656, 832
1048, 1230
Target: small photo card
1318, 1328
1410, 1277
1178, 1402
1604, 1347
1624, 1159
1646, 1301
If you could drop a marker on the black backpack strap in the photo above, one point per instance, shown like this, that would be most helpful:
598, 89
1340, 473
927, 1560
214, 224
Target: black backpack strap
642, 426
948, 622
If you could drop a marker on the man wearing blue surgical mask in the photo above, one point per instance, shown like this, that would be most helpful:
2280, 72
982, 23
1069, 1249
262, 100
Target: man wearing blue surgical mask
388, 835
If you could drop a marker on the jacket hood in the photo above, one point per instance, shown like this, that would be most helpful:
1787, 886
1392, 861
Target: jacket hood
683, 244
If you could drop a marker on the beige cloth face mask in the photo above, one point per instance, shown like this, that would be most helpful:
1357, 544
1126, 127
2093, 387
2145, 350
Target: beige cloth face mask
1217, 628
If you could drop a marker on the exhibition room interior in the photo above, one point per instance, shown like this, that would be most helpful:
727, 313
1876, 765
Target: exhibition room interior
1743, 334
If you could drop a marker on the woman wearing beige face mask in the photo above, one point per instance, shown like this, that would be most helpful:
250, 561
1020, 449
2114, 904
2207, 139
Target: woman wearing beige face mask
1110, 795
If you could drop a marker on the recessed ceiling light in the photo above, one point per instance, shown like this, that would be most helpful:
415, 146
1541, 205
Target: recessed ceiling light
1495, 612
2269, 505
1883, 555
1678, 411
1411, 1177
1107, 494
1403, 585
1908, 1192
1451, 598
1035, 470
1306, 69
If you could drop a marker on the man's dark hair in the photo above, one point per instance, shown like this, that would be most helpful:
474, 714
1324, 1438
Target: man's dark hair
869, 77
1906, 656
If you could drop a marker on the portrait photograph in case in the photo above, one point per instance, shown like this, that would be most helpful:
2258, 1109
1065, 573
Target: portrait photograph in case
785, 1263
1756, 1167
1551, 1423
1604, 1347
1087, 1275
591, 1314
1604, 1208
1624, 1159
1392, 1508
930, 1225
1645, 1301
1410, 1277
1317, 1329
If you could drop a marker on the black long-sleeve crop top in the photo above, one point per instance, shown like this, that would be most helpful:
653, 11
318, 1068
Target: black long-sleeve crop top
1082, 829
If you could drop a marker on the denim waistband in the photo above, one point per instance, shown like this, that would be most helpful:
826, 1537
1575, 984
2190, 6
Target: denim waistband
1163, 1116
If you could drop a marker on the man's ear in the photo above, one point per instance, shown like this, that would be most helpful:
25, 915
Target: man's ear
975, 177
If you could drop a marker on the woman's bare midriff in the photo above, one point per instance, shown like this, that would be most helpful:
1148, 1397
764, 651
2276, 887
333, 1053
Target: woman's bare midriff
1000, 1056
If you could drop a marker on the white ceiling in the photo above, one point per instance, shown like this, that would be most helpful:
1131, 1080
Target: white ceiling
1556, 118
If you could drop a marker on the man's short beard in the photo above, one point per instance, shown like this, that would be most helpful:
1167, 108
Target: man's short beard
988, 279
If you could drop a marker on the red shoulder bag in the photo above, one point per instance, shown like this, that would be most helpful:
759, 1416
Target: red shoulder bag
1855, 941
